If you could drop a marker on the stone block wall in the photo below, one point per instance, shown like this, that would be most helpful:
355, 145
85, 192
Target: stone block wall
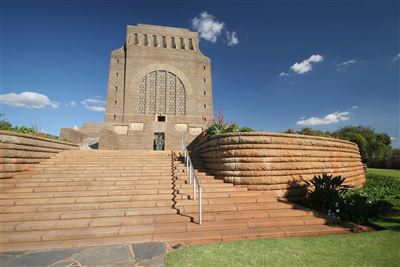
108, 140
280, 162
19, 152
73, 136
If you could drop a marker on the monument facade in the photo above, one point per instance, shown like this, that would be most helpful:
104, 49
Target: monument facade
159, 91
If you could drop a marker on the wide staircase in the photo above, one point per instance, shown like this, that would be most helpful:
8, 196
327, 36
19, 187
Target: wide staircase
86, 198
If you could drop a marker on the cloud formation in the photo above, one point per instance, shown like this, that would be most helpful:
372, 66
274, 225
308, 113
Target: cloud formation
345, 65
328, 119
232, 38
306, 65
207, 26
396, 57
284, 74
94, 104
27, 100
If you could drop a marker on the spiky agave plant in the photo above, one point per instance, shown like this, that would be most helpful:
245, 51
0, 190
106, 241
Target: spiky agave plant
323, 191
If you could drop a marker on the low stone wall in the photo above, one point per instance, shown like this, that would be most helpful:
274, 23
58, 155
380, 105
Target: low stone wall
19, 152
279, 162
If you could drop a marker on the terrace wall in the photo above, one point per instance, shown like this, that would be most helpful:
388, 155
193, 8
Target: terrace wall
280, 162
19, 152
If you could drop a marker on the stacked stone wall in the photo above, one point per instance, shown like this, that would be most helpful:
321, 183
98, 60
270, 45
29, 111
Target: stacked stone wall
73, 136
108, 140
19, 152
280, 162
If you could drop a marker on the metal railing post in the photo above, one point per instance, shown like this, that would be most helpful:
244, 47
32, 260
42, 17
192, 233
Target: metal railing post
193, 179
190, 175
194, 190
200, 210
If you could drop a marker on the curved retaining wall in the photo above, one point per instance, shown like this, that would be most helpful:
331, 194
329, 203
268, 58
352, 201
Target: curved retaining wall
280, 162
19, 152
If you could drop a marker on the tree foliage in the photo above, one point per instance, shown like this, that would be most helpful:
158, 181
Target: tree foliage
375, 148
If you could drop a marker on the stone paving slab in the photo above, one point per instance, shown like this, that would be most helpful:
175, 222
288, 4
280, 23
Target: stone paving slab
144, 254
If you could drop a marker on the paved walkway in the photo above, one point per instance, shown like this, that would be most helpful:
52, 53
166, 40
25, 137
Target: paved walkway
144, 254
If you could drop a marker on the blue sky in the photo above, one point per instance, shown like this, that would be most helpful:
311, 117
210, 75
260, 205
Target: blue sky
289, 65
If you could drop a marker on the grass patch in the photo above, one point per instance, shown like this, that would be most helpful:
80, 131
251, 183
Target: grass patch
384, 172
380, 248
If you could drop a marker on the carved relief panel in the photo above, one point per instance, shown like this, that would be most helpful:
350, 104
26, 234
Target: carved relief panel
161, 92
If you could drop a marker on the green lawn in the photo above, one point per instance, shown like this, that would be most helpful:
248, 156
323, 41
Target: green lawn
380, 248
384, 172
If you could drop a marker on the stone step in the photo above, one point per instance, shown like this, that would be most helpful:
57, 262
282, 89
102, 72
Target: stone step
233, 200
249, 214
96, 222
88, 183
174, 238
217, 189
85, 206
91, 176
231, 194
61, 215
83, 188
105, 164
85, 193
98, 168
80, 229
77, 200
205, 185
235, 207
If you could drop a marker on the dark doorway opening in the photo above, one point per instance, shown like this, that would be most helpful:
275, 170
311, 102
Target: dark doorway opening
159, 141
161, 118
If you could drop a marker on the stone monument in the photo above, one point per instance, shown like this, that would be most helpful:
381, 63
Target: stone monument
159, 88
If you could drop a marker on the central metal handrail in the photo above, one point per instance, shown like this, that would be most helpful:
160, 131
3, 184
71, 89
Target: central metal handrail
193, 179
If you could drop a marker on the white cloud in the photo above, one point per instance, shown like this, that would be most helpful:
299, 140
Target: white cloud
208, 28
232, 38
328, 119
27, 100
345, 65
396, 57
71, 104
284, 74
354, 107
76, 127
306, 65
94, 104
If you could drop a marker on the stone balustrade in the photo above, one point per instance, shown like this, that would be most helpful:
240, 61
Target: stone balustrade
280, 162
19, 152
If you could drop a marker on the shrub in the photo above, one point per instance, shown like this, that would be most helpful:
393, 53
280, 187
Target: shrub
232, 128
220, 127
216, 128
246, 130
379, 195
323, 192
5, 125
